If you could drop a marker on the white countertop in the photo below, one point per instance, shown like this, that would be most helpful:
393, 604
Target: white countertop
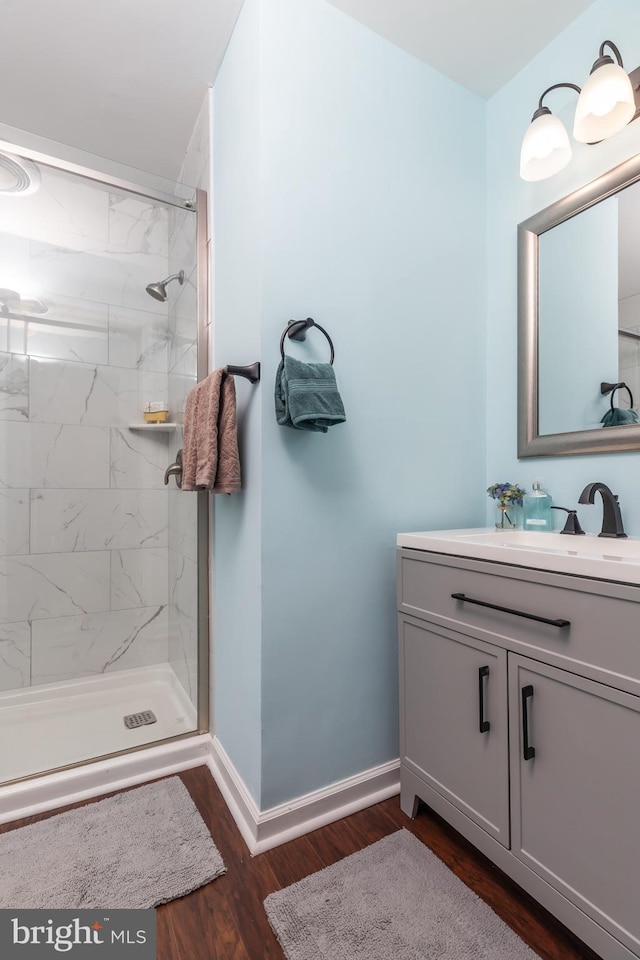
604, 558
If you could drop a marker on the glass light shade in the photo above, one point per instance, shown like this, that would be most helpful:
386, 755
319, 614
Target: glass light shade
605, 106
545, 148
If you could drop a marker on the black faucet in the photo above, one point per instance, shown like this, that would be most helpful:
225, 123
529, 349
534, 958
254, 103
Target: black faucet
611, 516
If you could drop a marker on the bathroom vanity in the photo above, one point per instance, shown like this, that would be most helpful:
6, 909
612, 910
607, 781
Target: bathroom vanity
520, 713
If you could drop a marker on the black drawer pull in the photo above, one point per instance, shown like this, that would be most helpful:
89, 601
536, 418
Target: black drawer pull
528, 752
483, 725
516, 613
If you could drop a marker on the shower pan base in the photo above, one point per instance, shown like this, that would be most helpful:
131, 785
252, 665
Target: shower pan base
61, 724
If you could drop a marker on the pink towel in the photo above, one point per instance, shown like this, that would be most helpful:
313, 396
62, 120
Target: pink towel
210, 448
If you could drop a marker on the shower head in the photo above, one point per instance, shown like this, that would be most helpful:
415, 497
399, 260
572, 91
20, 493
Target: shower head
158, 290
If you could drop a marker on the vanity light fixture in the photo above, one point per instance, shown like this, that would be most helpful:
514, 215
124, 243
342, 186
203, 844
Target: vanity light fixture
545, 147
606, 104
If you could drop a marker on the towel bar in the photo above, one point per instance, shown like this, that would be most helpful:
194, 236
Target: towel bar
250, 373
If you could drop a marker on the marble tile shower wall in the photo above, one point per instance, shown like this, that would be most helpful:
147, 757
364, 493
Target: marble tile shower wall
83, 509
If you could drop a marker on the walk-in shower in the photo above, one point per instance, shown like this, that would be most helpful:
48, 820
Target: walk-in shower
102, 568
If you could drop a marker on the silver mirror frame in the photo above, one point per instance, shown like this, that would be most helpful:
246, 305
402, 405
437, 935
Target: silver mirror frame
530, 442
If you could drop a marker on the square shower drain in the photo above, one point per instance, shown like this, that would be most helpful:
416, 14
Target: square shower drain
133, 720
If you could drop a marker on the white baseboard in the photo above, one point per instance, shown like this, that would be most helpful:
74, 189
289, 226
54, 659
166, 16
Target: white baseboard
263, 830
260, 830
36, 795
240, 802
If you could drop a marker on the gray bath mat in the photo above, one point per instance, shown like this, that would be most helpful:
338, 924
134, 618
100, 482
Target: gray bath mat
394, 899
135, 849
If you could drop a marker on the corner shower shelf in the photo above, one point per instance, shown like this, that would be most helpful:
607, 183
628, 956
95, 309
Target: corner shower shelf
154, 427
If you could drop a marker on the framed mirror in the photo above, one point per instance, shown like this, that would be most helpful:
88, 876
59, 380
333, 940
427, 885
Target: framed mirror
579, 320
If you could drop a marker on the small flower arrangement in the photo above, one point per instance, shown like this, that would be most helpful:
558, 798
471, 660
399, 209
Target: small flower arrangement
508, 495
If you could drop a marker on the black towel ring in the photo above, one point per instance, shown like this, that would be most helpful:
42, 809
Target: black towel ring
297, 330
612, 387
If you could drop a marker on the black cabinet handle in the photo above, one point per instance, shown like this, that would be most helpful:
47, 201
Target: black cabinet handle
483, 725
516, 613
528, 751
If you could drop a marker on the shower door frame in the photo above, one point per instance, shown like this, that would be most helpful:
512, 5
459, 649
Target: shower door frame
196, 200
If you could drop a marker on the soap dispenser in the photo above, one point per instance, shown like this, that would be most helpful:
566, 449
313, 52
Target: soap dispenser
537, 509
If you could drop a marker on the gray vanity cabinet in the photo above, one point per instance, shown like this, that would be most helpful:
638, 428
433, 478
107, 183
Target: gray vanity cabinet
550, 789
575, 804
456, 688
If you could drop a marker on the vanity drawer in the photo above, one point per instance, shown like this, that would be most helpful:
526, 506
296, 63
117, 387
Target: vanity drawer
604, 619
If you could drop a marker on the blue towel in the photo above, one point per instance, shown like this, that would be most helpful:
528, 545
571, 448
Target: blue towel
307, 396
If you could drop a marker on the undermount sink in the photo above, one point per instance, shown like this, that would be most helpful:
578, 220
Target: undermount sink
589, 556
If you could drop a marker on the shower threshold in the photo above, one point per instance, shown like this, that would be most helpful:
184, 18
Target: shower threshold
71, 721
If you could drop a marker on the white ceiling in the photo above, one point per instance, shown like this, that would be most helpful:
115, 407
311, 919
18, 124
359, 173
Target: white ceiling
481, 44
124, 79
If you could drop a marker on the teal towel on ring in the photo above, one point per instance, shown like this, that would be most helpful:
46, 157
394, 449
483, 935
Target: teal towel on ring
307, 396
619, 416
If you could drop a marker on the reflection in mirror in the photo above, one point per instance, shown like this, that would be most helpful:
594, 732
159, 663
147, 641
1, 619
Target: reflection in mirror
579, 319
629, 294
578, 322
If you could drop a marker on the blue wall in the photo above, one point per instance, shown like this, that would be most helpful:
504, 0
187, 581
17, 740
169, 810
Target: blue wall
237, 571
510, 200
369, 217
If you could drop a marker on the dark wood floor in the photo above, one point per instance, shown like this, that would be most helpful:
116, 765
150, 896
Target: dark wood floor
225, 920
